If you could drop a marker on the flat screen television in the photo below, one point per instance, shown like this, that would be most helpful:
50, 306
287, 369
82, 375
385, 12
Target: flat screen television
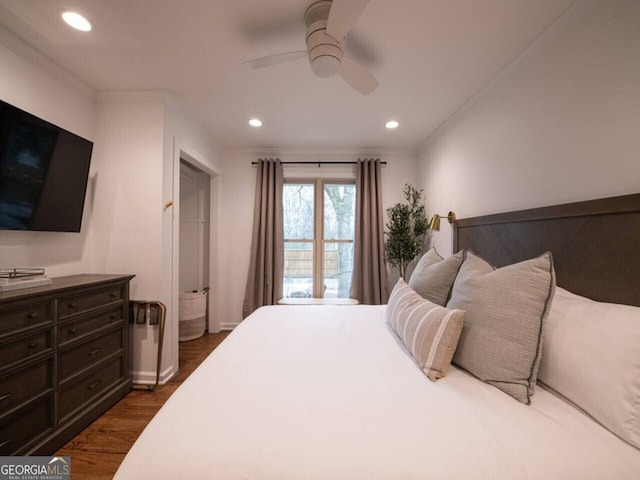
44, 171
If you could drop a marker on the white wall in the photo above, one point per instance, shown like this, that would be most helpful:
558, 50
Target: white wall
32, 89
128, 204
563, 128
140, 138
236, 218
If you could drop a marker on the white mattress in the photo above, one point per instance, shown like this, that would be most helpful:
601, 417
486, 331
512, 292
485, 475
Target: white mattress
321, 392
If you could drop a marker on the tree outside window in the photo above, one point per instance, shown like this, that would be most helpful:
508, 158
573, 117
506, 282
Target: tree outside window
319, 219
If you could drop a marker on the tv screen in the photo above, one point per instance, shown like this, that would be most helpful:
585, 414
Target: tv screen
43, 173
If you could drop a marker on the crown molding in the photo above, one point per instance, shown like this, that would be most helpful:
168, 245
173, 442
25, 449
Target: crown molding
17, 45
319, 154
132, 96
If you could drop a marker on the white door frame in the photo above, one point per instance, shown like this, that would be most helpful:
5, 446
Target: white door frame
184, 152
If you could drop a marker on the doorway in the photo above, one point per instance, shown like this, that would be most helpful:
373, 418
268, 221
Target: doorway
194, 251
194, 228
195, 182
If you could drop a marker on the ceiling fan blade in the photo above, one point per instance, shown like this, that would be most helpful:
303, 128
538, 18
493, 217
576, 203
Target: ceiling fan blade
276, 59
343, 16
357, 76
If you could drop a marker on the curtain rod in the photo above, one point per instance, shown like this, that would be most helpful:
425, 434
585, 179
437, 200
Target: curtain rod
319, 163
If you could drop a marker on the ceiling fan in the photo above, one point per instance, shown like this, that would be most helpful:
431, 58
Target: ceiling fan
328, 24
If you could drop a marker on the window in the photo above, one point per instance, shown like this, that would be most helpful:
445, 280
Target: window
319, 218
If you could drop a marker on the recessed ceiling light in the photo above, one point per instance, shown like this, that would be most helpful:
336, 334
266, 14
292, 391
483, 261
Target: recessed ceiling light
391, 124
255, 122
77, 21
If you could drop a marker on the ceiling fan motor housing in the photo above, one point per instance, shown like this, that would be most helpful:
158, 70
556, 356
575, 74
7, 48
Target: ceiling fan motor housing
325, 52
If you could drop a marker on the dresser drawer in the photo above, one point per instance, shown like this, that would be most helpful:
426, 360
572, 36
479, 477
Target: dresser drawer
78, 328
26, 316
87, 300
17, 433
25, 348
90, 387
22, 385
89, 353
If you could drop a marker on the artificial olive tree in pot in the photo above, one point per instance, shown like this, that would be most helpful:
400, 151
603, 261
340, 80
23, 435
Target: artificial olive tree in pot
406, 230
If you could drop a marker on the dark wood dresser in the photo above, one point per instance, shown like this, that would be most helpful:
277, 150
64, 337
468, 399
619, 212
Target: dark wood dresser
65, 359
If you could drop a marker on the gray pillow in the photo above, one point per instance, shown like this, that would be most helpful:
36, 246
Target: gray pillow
501, 341
433, 276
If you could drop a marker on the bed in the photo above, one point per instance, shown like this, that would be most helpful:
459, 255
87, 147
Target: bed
319, 392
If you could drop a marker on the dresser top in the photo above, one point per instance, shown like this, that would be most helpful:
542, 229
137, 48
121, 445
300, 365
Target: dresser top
60, 284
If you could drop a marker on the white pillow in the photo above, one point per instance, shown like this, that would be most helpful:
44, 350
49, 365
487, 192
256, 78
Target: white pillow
591, 356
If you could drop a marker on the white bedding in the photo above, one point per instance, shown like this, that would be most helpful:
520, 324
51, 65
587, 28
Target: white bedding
322, 392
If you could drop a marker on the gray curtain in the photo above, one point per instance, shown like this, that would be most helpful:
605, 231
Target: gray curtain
264, 281
369, 281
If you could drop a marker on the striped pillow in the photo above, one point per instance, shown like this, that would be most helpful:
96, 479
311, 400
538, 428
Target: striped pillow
430, 332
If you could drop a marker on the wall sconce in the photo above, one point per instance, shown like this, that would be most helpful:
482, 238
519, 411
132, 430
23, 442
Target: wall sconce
434, 224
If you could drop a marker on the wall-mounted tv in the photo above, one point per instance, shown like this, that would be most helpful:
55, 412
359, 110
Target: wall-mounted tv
44, 171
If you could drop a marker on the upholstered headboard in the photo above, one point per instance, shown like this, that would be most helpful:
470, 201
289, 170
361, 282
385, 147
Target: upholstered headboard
595, 244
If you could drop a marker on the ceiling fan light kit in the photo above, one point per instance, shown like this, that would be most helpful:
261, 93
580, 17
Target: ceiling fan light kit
325, 52
328, 23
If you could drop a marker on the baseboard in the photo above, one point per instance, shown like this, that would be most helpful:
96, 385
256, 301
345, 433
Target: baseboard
149, 378
228, 326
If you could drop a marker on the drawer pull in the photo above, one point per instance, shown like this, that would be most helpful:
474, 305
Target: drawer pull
4, 443
114, 316
113, 294
33, 344
73, 330
72, 304
5, 396
93, 352
94, 384
32, 315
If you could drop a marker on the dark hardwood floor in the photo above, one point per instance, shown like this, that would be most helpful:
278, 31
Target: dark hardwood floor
98, 450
